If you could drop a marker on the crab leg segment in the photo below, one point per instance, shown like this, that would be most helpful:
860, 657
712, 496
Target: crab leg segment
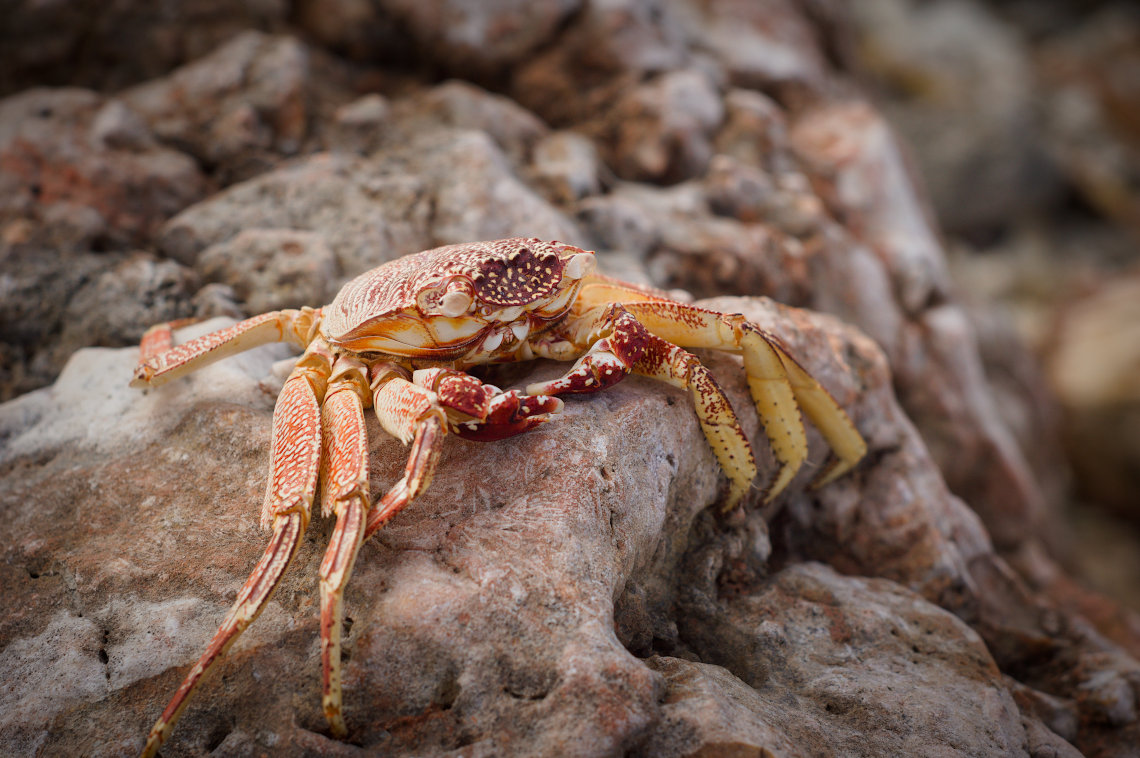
435, 402
669, 363
161, 360
623, 345
344, 488
293, 481
779, 385
618, 342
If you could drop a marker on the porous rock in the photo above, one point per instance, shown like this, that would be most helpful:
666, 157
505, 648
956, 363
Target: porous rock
445, 187
269, 269
235, 109
78, 167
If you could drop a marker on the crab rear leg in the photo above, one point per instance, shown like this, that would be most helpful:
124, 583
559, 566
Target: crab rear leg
779, 385
344, 491
296, 455
160, 360
623, 345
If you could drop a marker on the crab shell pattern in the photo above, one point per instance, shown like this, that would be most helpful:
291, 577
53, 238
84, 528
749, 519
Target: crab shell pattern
399, 338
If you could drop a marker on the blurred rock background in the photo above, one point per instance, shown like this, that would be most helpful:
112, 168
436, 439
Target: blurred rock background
1023, 120
959, 180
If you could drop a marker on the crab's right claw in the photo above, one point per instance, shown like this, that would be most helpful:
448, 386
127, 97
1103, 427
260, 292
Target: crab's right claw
508, 414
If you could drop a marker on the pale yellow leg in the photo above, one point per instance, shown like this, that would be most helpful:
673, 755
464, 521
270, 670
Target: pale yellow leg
671, 364
779, 385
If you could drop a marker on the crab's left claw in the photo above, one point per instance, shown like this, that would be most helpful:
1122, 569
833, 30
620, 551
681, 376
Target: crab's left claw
508, 414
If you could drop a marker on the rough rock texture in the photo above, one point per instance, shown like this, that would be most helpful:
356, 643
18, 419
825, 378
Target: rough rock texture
234, 109
570, 591
111, 45
71, 158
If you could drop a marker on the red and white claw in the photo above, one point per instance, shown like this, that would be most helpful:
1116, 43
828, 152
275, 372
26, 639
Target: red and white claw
508, 414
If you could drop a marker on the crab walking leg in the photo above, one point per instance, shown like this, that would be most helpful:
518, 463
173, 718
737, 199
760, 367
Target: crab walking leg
617, 340
344, 488
293, 481
422, 460
410, 413
162, 361
779, 385
624, 345
160, 338
669, 363
438, 401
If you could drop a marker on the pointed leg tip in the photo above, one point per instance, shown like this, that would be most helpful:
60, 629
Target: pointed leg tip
337, 726
154, 740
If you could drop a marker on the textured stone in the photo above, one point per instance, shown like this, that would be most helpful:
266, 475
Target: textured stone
236, 109
565, 167
509, 601
662, 130
444, 187
1093, 363
63, 167
93, 44
964, 90
479, 39
269, 269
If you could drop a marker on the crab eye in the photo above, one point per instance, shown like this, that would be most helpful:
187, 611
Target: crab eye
578, 266
455, 303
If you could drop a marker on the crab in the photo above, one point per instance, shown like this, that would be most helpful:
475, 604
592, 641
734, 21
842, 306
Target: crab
400, 338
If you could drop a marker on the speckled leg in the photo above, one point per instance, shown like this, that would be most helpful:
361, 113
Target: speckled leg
344, 492
295, 463
779, 385
160, 360
620, 345
435, 402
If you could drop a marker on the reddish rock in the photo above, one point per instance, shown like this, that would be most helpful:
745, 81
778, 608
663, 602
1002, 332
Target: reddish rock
235, 110
76, 166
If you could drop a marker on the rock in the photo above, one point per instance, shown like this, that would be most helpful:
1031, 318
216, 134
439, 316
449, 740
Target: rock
607, 47
565, 167
464, 106
662, 130
619, 223
76, 166
964, 96
482, 39
49, 310
1093, 361
236, 109
1091, 112
843, 658
444, 187
358, 126
489, 614
86, 43
767, 45
477, 196
270, 269
365, 216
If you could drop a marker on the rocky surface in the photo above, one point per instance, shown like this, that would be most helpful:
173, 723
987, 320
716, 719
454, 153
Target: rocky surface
571, 591
524, 589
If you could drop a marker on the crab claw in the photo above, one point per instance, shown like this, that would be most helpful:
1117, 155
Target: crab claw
509, 414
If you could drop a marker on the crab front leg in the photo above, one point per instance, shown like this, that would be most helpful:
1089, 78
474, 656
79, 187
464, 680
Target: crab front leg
420, 410
296, 447
160, 360
622, 345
